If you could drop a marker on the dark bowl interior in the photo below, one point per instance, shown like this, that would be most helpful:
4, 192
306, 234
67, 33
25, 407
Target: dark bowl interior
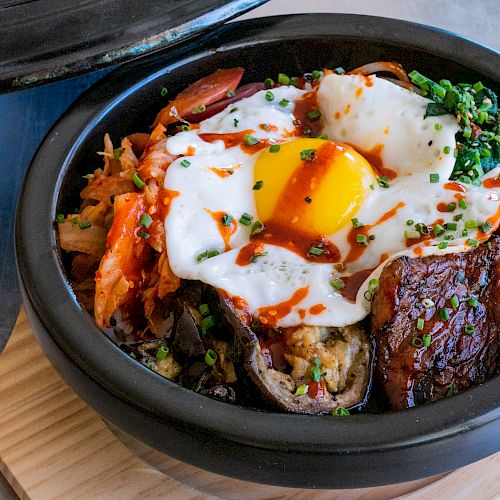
281, 449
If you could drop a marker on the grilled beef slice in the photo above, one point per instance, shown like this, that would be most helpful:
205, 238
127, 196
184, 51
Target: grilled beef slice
454, 360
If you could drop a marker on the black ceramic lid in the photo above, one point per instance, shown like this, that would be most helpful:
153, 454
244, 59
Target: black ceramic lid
44, 40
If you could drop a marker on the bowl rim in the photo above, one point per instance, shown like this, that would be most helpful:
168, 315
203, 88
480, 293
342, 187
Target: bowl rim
42, 276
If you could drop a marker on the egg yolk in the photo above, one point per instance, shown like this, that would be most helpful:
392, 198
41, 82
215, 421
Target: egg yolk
312, 184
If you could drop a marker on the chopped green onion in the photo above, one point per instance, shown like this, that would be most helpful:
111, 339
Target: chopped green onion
137, 180
85, 224
356, 223
426, 340
469, 329
464, 232
420, 324
204, 309
383, 181
427, 303
250, 140
257, 227
145, 221
472, 242
268, 83
283, 79
470, 224
226, 220
316, 251
451, 207
316, 74
185, 163
269, 96
255, 256
163, 91
458, 217
454, 302
444, 314
313, 115
438, 229
308, 199
60, 218
74, 221
433, 178
207, 254
442, 245
161, 352
478, 86
451, 391
210, 357
207, 323
361, 239
416, 342
144, 235
274, 148
446, 150
451, 226
185, 128
438, 126
472, 302
462, 203
485, 226
117, 153
246, 219
340, 412
284, 103
258, 185
316, 373
308, 154
373, 285
199, 109
301, 389
410, 222
337, 283
230, 93
412, 235
233, 110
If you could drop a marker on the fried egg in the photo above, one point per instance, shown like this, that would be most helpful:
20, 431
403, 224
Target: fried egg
294, 227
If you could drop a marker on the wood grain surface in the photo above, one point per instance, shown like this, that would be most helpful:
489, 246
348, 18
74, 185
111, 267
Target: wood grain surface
52, 445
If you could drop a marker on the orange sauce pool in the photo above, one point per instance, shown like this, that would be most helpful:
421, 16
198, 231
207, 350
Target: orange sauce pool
225, 231
270, 315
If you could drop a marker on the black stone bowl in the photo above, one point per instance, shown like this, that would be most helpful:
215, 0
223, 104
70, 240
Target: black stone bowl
262, 446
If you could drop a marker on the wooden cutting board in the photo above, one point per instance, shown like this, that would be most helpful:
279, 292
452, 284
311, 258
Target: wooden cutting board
52, 445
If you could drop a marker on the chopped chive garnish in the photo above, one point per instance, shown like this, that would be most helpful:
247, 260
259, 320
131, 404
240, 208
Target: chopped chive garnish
210, 357
462, 203
274, 148
451, 226
185, 163
144, 235
383, 181
316, 251
284, 103
161, 352
451, 391
438, 229
207, 323
454, 302
361, 239
255, 256
145, 221
416, 342
74, 221
426, 340
472, 302
230, 93
442, 245
340, 411
233, 110
316, 74
301, 389
373, 285
322, 136
207, 254
446, 150
258, 185
444, 314
257, 227
433, 178
356, 223
472, 242
308, 199
117, 153
185, 128
412, 235
226, 220
427, 303
478, 86
246, 219
420, 324
250, 140
137, 180
451, 206
458, 217
204, 309
316, 373
235, 122
163, 91
308, 154
313, 115
410, 222
485, 226
85, 224
283, 79
269, 96
60, 218
268, 83
470, 224
337, 283
438, 126
199, 109
469, 329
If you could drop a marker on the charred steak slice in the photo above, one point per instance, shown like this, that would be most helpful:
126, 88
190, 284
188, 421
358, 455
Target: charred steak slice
464, 349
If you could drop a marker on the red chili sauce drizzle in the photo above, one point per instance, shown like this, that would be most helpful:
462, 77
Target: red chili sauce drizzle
224, 172
492, 182
357, 250
248, 252
317, 309
270, 315
455, 186
237, 139
424, 237
225, 231
374, 158
302, 107
279, 228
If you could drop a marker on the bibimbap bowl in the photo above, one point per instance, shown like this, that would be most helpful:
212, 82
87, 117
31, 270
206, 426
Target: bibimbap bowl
250, 444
